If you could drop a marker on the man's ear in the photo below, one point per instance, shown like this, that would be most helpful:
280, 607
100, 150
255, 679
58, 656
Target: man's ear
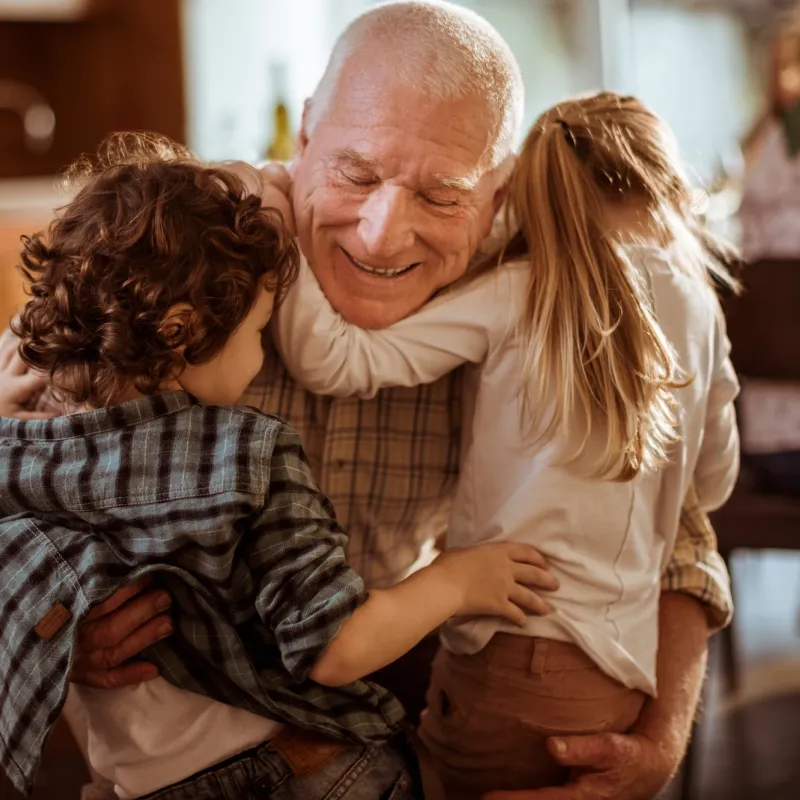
500, 197
503, 172
302, 137
174, 326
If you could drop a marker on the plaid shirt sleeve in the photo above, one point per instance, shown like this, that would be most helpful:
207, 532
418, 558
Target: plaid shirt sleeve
696, 567
306, 587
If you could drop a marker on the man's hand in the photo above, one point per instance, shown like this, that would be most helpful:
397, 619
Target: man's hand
606, 766
19, 388
116, 631
637, 765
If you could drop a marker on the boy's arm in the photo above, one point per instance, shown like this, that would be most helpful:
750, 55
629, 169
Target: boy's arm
328, 355
325, 624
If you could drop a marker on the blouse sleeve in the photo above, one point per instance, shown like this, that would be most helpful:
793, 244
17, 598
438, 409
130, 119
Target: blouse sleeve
328, 355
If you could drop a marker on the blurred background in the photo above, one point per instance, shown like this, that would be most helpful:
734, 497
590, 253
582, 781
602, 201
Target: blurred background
229, 78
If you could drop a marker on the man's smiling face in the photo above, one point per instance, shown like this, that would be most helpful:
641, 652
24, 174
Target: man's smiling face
392, 194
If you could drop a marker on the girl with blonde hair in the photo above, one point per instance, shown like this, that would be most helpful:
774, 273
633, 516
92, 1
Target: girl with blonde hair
601, 393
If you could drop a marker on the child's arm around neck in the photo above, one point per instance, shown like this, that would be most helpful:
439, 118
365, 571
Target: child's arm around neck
329, 355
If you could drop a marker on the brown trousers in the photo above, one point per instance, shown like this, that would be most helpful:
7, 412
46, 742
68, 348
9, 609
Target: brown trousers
490, 714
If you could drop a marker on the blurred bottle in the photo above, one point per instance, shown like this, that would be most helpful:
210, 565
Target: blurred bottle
281, 147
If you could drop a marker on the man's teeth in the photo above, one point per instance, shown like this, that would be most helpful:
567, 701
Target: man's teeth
388, 273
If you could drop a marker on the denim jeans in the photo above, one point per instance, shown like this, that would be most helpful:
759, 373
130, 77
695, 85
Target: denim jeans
357, 773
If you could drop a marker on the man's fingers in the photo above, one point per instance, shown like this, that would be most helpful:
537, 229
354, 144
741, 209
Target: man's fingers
529, 601
535, 576
600, 751
121, 596
126, 675
148, 634
109, 630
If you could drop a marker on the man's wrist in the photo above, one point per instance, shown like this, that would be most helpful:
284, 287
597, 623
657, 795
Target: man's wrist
667, 719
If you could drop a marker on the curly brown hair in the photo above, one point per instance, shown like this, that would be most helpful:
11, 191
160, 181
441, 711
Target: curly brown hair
150, 228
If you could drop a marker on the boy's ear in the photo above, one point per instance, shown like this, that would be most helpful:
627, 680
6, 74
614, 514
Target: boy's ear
173, 326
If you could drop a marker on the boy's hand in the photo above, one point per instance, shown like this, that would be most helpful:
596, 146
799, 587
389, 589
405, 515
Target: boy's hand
495, 580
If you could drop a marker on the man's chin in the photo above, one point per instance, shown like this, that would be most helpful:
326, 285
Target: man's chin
373, 314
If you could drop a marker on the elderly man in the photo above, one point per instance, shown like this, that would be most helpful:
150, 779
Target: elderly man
405, 150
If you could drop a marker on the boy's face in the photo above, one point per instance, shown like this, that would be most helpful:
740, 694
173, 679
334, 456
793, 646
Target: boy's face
223, 379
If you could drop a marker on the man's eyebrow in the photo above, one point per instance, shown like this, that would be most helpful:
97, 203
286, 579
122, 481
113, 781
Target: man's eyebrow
348, 154
459, 184
443, 181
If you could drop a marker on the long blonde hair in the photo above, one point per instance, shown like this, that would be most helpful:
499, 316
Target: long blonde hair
588, 328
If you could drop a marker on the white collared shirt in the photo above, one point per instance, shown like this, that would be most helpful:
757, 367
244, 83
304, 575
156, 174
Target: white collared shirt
607, 542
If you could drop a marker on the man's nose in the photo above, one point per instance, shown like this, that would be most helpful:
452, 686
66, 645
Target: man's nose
385, 228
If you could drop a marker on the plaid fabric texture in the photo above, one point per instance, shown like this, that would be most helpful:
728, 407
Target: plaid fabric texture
221, 504
389, 466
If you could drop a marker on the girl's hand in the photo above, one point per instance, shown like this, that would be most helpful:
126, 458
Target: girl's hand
495, 580
277, 191
272, 182
19, 387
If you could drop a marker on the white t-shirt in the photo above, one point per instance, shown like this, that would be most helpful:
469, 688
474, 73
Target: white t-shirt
607, 542
148, 736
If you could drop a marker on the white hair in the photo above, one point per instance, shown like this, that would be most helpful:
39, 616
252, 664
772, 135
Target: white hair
447, 51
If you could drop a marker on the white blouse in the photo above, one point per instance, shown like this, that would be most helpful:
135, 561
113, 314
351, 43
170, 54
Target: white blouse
607, 542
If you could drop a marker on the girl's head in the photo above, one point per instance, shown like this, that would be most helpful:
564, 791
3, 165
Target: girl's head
161, 272
595, 173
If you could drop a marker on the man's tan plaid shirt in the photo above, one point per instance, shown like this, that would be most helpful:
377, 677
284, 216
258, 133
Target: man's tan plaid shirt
390, 467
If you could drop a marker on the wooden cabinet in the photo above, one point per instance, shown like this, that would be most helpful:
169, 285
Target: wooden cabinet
43, 10
12, 290
26, 207
117, 66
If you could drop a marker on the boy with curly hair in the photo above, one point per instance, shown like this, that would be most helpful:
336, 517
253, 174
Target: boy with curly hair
149, 295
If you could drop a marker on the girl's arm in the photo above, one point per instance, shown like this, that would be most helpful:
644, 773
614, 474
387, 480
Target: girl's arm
328, 355
718, 463
327, 626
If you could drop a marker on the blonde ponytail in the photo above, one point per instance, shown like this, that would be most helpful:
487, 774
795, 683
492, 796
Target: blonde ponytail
588, 327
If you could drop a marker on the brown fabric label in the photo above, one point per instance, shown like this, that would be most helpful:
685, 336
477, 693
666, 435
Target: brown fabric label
52, 622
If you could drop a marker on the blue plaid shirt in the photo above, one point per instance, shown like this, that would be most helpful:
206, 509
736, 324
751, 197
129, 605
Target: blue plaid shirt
221, 504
